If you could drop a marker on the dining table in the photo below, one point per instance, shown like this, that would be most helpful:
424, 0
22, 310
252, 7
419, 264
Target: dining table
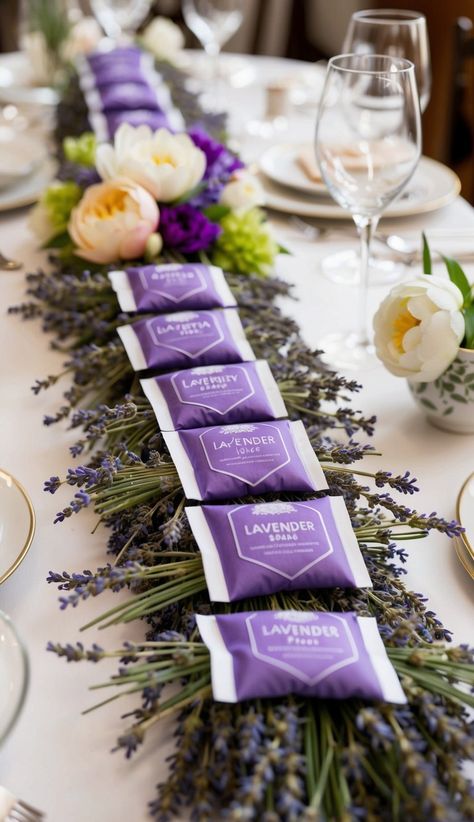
56, 758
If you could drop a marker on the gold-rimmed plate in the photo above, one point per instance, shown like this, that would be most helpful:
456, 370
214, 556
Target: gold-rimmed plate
17, 524
464, 556
465, 514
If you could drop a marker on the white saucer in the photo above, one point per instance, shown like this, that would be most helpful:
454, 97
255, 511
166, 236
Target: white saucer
280, 164
432, 186
29, 190
17, 83
17, 524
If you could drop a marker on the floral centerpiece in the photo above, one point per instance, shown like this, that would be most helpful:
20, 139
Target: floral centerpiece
154, 194
424, 331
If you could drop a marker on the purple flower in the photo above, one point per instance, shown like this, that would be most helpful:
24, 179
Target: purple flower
220, 164
186, 229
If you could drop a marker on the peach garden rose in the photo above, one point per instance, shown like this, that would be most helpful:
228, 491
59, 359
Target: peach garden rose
113, 221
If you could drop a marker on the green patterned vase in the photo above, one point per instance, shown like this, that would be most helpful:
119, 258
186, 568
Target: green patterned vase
448, 402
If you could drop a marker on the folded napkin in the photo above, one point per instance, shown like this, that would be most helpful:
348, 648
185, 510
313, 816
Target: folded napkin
354, 157
7, 801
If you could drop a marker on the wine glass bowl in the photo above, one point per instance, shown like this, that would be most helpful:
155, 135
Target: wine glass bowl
368, 144
213, 21
119, 17
13, 676
397, 33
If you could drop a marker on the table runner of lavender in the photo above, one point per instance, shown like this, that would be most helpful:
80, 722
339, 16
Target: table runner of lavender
281, 759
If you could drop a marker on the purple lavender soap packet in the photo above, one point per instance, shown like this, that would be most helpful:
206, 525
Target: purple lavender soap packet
310, 653
171, 287
105, 124
262, 548
185, 339
128, 55
245, 392
230, 461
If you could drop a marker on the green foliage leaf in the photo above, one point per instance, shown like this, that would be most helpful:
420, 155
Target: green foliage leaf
469, 321
216, 212
426, 255
283, 250
458, 277
59, 241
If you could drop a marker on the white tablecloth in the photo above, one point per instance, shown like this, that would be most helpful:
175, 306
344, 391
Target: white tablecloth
59, 760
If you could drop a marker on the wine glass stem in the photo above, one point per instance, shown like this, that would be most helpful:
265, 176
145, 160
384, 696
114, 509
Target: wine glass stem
213, 52
366, 227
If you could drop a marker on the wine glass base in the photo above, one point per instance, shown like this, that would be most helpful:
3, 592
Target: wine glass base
348, 352
344, 267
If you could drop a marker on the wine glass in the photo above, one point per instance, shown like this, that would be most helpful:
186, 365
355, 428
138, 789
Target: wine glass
395, 32
13, 676
120, 17
368, 143
398, 33
213, 22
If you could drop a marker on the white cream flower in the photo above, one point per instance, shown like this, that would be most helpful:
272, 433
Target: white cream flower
418, 328
84, 36
167, 165
113, 221
242, 192
163, 38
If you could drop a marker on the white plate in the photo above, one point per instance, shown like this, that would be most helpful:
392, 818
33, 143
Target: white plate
28, 191
465, 513
432, 186
20, 155
13, 676
17, 83
17, 524
280, 164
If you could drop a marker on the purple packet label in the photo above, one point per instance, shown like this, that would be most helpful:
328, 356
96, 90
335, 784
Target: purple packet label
215, 393
106, 124
310, 653
186, 338
128, 55
123, 97
171, 287
229, 461
261, 548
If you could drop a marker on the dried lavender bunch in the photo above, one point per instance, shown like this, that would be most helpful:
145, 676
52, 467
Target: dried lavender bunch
276, 759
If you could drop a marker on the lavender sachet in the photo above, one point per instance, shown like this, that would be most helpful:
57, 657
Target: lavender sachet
196, 397
230, 461
261, 548
309, 653
185, 339
171, 287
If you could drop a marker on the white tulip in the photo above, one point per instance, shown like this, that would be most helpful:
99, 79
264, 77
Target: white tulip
165, 164
418, 328
163, 38
84, 37
242, 192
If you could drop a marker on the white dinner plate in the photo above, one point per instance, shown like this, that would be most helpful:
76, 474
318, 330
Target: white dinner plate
13, 676
20, 156
17, 83
432, 186
29, 190
465, 514
17, 524
280, 164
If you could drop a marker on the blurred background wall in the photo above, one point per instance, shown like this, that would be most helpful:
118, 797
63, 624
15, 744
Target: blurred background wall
314, 29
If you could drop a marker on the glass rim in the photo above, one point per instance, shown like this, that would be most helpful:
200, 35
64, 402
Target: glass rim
401, 63
23, 685
380, 16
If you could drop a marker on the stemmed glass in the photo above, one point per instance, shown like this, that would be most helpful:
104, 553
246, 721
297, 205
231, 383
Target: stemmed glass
120, 18
398, 33
368, 143
13, 676
213, 22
